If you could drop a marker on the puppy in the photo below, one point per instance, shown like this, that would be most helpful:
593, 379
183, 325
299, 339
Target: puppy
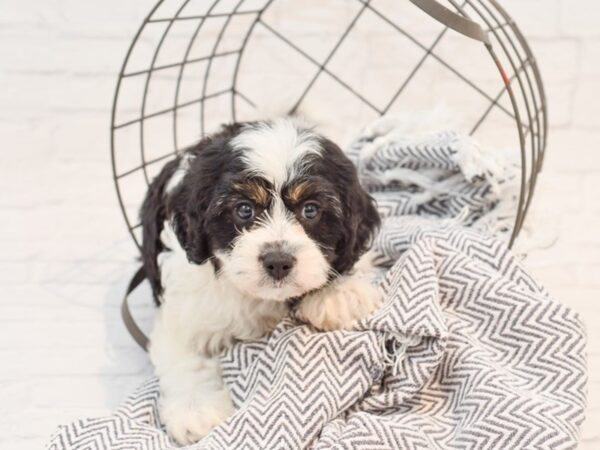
250, 218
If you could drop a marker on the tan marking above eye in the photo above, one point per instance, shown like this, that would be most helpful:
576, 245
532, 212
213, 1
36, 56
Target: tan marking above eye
298, 191
254, 192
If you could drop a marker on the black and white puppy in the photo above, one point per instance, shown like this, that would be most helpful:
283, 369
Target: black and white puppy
250, 217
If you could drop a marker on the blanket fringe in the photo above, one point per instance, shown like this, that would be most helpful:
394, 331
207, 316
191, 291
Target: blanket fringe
393, 348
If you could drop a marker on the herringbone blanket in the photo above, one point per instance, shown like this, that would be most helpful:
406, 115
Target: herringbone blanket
468, 350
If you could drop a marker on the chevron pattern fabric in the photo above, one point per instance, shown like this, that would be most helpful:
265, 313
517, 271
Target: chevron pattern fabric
436, 174
467, 352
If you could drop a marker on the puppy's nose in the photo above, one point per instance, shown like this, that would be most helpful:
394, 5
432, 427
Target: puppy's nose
278, 264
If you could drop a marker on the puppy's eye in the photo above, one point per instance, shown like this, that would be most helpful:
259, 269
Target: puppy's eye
310, 210
245, 211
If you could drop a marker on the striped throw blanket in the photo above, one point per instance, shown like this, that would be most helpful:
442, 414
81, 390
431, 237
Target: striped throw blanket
467, 352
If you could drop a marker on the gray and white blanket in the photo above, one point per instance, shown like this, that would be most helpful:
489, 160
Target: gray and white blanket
468, 350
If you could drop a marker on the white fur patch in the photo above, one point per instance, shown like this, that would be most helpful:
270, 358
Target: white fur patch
274, 150
341, 304
177, 177
200, 315
210, 309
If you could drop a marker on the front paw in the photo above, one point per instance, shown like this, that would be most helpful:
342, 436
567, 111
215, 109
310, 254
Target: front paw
340, 305
191, 416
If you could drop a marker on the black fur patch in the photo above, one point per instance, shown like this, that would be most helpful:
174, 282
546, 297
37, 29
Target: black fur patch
153, 215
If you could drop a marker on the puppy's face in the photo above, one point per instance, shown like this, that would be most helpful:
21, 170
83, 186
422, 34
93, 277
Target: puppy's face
277, 208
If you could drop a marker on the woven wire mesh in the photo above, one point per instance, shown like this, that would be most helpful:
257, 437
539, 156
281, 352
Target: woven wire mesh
195, 64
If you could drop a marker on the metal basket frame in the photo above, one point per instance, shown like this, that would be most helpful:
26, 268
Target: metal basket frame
493, 27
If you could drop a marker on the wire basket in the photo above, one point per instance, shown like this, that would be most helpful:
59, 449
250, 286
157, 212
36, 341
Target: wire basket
195, 64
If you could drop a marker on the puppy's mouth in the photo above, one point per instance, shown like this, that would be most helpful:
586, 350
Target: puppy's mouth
284, 290
279, 290
274, 284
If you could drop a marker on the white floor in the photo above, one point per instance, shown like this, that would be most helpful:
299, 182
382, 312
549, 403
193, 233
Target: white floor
65, 255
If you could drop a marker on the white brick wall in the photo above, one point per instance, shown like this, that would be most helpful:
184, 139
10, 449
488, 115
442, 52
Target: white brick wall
66, 254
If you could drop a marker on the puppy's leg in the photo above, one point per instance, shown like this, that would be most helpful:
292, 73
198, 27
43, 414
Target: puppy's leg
193, 398
341, 304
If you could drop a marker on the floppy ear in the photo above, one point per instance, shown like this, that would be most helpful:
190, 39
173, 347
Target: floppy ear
153, 215
189, 225
366, 220
361, 219
361, 223
193, 198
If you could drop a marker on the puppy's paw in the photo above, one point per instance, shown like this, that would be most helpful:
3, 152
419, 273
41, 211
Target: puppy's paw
340, 305
191, 416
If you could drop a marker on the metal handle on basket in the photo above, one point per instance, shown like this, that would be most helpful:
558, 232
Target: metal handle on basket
459, 23
134, 330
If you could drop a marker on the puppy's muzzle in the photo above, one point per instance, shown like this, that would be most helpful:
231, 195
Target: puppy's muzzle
278, 263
